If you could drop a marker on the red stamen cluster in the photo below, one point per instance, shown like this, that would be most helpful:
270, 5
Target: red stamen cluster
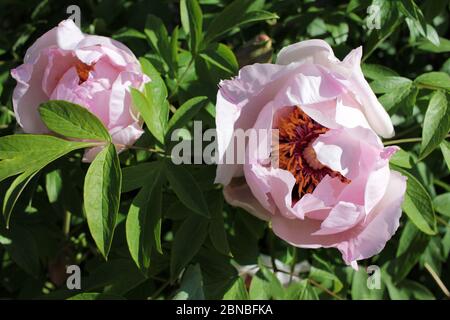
83, 71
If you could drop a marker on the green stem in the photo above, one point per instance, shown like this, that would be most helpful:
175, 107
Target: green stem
442, 184
442, 221
161, 152
367, 55
406, 140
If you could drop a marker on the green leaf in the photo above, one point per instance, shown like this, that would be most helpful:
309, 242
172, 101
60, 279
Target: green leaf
275, 286
228, 63
101, 197
406, 289
4, 240
114, 277
174, 51
408, 102
128, 33
73, 121
434, 80
442, 204
216, 62
445, 149
158, 37
217, 270
411, 246
192, 20
417, 20
153, 105
187, 242
387, 84
417, 204
156, 89
402, 159
186, 188
185, 113
259, 289
307, 292
426, 45
377, 72
23, 249
238, 291
217, 232
53, 185
395, 97
191, 287
24, 152
143, 224
389, 18
235, 14
151, 114
137, 176
13, 193
436, 123
433, 256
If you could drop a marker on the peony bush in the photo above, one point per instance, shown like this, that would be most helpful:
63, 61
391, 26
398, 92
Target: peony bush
107, 129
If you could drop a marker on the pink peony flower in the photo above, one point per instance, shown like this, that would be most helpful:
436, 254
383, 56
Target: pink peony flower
93, 71
332, 186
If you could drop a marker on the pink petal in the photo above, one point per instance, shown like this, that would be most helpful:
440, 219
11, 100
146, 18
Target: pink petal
120, 109
348, 72
381, 224
93, 46
312, 51
59, 61
126, 136
28, 94
65, 36
375, 113
343, 216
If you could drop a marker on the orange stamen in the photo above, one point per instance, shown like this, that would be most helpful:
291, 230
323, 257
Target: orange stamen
297, 131
83, 71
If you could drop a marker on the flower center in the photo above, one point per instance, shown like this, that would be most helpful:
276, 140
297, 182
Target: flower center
297, 132
83, 70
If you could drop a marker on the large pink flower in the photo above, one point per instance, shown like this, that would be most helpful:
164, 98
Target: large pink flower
93, 71
332, 186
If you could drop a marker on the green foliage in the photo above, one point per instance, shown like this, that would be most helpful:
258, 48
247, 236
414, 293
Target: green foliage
418, 205
73, 121
141, 227
191, 286
102, 197
436, 123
